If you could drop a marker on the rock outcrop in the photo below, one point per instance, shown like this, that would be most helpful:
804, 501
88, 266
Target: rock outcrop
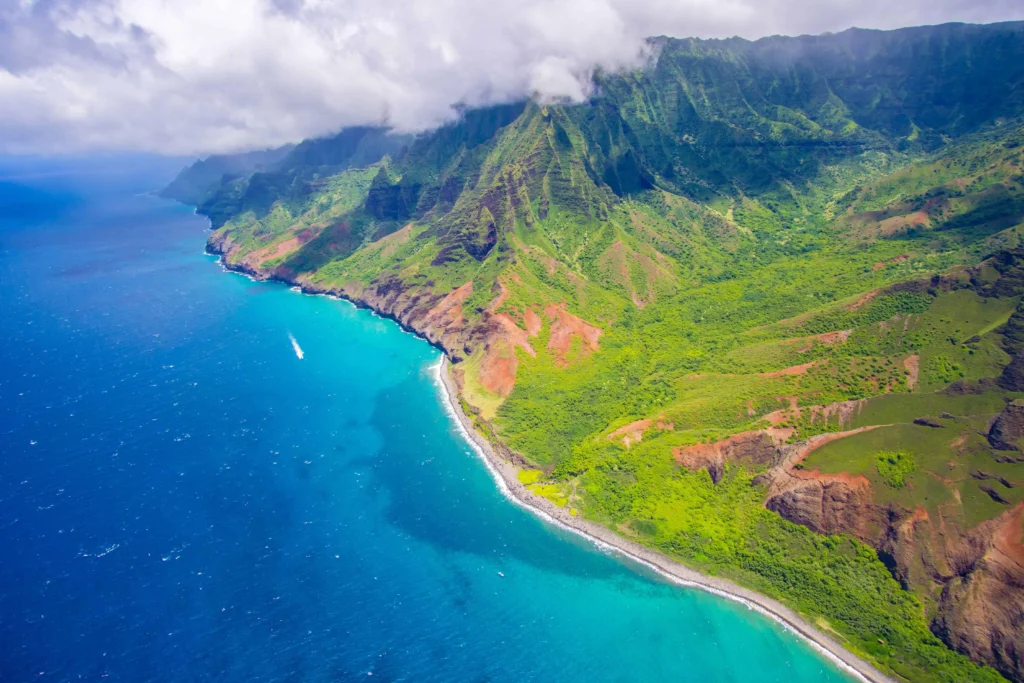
1008, 428
1012, 377
826, 503
981, 608
978, 573
831, 504
755, 448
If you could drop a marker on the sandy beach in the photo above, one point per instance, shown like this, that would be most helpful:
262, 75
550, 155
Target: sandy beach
505, 474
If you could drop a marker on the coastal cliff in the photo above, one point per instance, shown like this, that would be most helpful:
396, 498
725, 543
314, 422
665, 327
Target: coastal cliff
979, 573
772, 338
435, 317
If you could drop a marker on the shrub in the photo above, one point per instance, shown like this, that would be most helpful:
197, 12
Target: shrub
894, 466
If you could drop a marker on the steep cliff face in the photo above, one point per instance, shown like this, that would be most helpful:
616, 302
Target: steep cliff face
978, 573
831, 504
1008, 428
755, 449
437, 317
826, 503
981, 611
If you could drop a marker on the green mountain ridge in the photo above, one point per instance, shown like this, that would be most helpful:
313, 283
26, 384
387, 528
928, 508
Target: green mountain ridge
714, 306
194, 183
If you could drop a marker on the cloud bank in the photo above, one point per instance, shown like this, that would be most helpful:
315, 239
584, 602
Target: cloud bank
201, 76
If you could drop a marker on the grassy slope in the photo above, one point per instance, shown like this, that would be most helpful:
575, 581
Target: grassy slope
697, 362
717, 217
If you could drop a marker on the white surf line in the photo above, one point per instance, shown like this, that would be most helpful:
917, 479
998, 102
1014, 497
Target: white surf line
295, 345
612, 549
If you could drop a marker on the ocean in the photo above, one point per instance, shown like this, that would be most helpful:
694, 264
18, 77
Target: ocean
182, 498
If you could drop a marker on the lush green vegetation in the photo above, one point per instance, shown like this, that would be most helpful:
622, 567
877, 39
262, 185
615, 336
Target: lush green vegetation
723, 530
894, 466
786, 235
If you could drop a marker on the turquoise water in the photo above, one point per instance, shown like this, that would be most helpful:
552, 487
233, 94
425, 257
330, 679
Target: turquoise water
183, 499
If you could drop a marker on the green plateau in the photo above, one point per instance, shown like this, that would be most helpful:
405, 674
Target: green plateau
756, 305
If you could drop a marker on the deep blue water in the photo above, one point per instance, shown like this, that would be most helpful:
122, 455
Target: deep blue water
182, 499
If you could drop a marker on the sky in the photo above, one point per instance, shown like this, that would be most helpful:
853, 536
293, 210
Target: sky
193, 77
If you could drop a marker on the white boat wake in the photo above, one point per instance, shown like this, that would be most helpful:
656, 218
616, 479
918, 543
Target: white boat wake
295, 345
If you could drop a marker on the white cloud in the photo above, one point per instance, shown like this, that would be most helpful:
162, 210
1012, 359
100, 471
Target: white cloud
191, 76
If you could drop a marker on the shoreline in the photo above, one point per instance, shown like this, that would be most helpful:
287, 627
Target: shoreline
505, 475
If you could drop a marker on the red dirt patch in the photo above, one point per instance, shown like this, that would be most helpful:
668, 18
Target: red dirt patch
631, 433
793, 370
258, 258
1009, 537
844, 410
564, 326
511, 332
882, 264
865, 298
500, 363
634, 431
780, 434
758, 447
777, 416
854, 481
498, 374
833, 337
501, 298
827, 338
448, 312
912, 364
891, 226
533, 322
